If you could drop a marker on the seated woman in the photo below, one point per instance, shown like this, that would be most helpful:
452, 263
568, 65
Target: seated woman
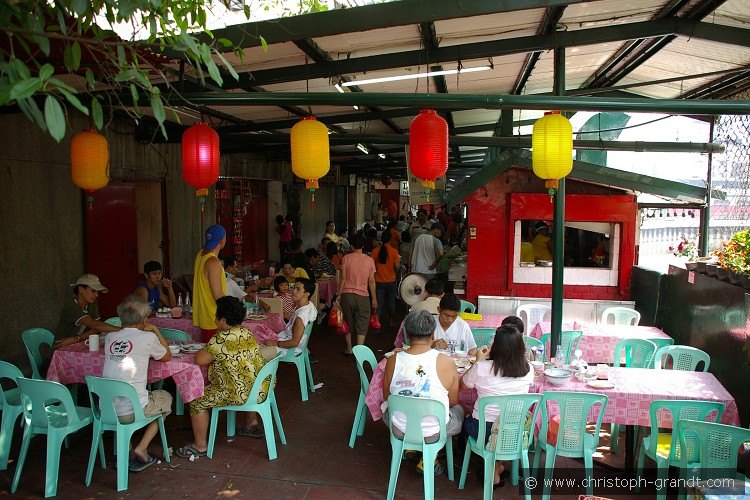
234, 359
500, 369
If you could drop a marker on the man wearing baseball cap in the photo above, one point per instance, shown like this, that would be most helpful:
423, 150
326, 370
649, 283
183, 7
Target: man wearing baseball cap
426, 251
150, 289
80, 317
208, 281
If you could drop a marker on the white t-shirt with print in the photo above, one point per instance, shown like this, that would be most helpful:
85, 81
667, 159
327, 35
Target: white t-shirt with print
482, 377
126, 357
234, 290
306, 314
458, 335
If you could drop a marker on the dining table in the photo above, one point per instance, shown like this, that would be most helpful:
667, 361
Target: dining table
327, 289
487, 321
263, 326
599, 340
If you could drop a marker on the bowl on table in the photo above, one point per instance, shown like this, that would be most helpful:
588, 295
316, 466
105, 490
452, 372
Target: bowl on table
174, 349
558, 376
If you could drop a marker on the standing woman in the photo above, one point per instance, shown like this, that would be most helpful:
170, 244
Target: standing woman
387, 263
331, 232
501, 369
284, 229
357, 285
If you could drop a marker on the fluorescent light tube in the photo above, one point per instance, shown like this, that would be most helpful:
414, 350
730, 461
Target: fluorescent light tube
415, 75
363, 148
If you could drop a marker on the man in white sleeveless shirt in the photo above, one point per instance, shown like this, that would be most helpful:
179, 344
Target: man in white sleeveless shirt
424, 372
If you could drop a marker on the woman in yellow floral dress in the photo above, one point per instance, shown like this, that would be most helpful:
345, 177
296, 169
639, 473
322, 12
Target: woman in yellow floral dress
234, 359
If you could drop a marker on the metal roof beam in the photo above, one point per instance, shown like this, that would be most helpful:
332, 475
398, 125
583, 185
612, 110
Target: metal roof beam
549, 25
718, 87
502, 163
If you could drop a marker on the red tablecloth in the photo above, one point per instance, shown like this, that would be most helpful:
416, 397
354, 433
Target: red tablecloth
599, 340
261, 329
487, 321
73, 363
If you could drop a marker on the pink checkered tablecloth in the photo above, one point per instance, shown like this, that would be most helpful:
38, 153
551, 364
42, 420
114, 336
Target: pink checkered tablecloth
73, 363
635, 389
487, 321
262, 329
327, 289
599, 340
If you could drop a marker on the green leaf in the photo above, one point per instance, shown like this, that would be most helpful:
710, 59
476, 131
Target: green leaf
80, 6
46, 71
61, 21
121, 56
62, 85
25, 88
157, 106
90, 79
32, 112
126, 75
228, 66
96, 114
72, 57
134, 93
175, 115
55, 118
225, 42
213, 70
4, 92
72, 99
21, 69
43, 43
263, 43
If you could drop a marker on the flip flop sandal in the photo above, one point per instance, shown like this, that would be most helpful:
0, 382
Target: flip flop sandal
138, 466
189, 450
255, 432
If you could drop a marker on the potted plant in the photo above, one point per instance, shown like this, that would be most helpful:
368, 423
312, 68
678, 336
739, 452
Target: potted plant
734, 256
686, 250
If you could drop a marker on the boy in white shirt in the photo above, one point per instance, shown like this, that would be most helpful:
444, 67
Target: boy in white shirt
293, 334
126, 357
452, 332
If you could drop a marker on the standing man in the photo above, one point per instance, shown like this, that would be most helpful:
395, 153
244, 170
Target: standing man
80, 317
149, 289
209, 283
426, 252
357, 285
421, 225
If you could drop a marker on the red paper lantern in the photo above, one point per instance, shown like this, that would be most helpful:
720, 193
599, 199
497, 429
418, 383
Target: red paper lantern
200, 159
428, 147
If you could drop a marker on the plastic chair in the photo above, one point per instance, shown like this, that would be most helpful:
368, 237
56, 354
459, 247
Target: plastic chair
712, 448
664, 447
569, 341
534, 314
684, 358
302, 361
512, 441
115, 321
33, 339
483, 336
531, 342
415, 409
48, 409
621, 316
468, 307
10, 401
174, 334
572, 438
267, 409
105, 419
363, 355
638, 354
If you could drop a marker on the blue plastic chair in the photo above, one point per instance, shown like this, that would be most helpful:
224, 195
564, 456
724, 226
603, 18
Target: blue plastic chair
664, 447
415, 409
115, 321
10, 401
48, 409
363, 355
483, 336
572, 439
468, 307
267, 409
569, 341
33, 340
531, 342
684, 358
302, 361
105, 419
512, 443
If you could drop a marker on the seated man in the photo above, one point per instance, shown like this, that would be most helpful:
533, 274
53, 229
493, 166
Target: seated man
293, 333
426, 373
435, 291
452, 332
233, 289
149, 289
80, 317
126, 357
292, 272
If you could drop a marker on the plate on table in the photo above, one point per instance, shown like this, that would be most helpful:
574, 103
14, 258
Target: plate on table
462, 363
265, 290
325, 276
601, 384
191, 348
256, 316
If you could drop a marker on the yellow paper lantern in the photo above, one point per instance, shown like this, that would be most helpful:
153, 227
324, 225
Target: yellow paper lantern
311, 158
552, 148
89, 161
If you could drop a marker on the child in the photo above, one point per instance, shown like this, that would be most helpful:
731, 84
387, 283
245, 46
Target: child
281, 286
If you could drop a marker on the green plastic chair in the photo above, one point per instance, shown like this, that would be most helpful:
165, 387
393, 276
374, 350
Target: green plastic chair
363, 355
684, 358
48, 409
10, 401
115, 321
415, 409
572, 439
105, 419
621, 316
33, 339
639, 353
513, 441
664, 447
483, 336
712, 448
663, 342
302, 361
268, 411
174, 334
569, 340
531, 342
468, 307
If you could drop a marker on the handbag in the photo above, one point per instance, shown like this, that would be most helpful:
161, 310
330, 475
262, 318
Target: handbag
374, 321
343, 329
336, 317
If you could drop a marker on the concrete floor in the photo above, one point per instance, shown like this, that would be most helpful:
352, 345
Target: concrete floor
316, 463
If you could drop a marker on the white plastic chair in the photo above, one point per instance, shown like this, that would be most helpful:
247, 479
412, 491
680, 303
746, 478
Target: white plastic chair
621, 316
532, 314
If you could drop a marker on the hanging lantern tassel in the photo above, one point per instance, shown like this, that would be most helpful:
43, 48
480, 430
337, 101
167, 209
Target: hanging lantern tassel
312, 185
428, 185
551, 186
202, 194
90, 198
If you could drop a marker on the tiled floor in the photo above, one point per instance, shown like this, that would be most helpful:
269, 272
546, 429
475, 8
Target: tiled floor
316, 463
